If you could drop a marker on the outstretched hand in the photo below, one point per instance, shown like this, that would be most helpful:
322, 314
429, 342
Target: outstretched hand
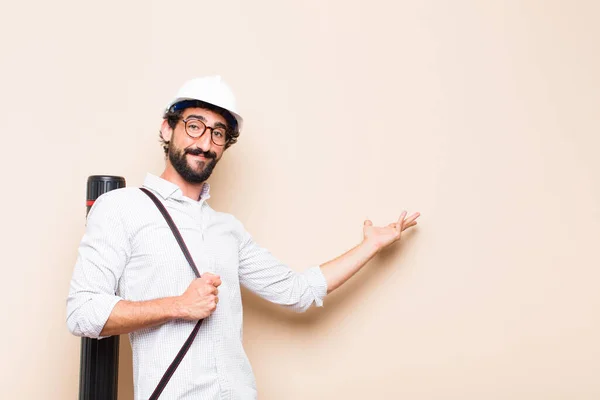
381, 237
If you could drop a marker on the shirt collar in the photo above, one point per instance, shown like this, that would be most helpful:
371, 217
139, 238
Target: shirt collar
168, 189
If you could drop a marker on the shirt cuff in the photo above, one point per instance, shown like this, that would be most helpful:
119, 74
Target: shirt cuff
102, 307
318, 284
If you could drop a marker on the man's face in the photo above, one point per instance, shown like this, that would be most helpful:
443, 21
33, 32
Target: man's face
194, 158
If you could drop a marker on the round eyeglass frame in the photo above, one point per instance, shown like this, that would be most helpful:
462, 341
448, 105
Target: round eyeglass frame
212, 129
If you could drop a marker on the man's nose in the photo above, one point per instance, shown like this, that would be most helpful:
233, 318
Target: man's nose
204, 142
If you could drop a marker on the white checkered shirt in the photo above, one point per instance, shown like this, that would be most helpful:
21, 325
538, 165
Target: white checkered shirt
128, 252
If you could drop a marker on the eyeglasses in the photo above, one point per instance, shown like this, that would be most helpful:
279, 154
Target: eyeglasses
196, 128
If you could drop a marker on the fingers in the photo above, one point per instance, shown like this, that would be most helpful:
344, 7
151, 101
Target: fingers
409, 225
213, 279
400, 223
402, 216
213, 297
411, 218
404, 222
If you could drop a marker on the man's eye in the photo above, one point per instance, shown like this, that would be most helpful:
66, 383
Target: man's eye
219, 133
194, 127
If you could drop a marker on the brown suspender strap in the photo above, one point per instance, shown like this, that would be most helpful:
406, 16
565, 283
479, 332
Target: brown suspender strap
188, 343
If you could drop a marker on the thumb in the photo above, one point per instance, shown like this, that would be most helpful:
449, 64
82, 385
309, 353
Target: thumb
368, 223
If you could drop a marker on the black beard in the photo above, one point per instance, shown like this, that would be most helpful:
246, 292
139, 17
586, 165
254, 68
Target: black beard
180, 163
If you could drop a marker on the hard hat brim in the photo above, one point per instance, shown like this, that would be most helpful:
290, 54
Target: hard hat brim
238, 118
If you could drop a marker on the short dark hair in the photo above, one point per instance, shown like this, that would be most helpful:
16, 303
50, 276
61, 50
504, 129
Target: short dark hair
174, 113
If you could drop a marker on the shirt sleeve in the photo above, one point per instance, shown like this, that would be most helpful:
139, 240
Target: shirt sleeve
103, 253
262, 273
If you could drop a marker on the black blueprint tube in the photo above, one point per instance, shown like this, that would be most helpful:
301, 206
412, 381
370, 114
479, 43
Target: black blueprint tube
99, 370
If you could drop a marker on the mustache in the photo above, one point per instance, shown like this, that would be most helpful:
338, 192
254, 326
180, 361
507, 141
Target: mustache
200, 152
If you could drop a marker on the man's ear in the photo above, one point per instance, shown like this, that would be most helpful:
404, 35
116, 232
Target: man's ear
166, 131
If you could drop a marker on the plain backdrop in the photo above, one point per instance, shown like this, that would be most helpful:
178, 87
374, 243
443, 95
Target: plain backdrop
481, 115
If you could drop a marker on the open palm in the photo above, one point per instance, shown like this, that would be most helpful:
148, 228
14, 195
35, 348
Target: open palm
383, 236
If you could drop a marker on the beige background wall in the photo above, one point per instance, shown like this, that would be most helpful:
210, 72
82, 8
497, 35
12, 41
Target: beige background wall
482, 115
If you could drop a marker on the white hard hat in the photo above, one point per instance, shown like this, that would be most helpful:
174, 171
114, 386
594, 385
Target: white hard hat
212, 90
